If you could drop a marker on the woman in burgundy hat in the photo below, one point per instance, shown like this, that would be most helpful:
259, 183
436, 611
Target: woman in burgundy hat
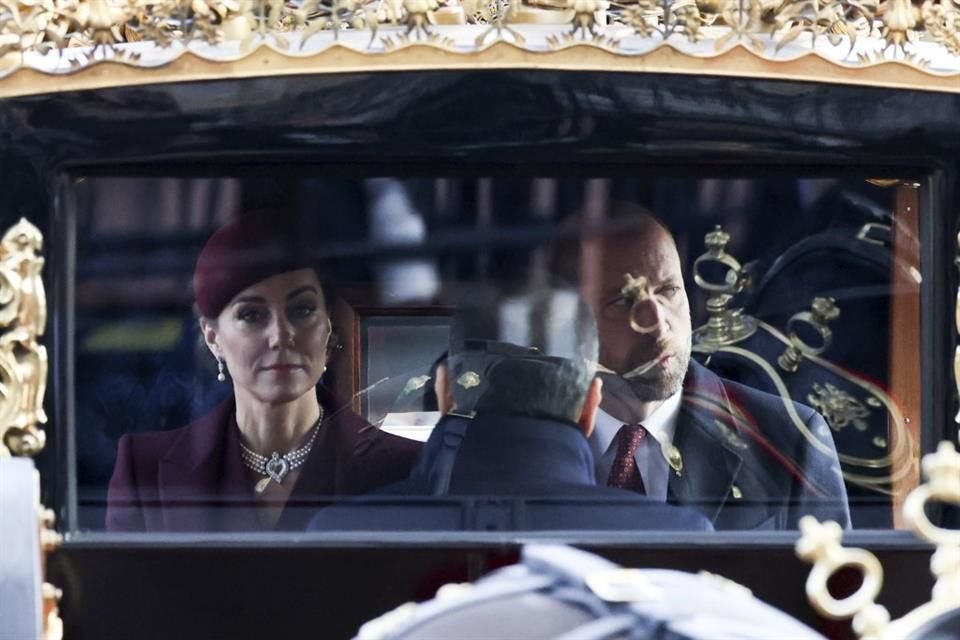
267, 456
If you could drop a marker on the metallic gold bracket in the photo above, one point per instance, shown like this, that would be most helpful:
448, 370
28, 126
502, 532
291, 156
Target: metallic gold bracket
724, 326
23, 360
822, 312
820, 544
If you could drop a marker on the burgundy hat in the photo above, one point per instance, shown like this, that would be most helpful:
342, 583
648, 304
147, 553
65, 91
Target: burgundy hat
242, 253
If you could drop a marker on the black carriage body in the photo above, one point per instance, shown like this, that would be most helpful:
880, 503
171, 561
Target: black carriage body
412, 123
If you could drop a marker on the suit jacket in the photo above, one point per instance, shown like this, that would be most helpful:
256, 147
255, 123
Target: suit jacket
746, 465
192, 478
507, 473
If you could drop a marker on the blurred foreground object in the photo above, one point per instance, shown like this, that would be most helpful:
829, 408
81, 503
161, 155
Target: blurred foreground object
564, 593
939, 618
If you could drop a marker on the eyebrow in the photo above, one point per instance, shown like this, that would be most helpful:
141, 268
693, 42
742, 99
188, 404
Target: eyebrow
305, 288
292, 294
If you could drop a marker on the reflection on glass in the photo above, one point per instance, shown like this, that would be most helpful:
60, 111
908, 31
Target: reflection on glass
263, 456
391, 346
764, 333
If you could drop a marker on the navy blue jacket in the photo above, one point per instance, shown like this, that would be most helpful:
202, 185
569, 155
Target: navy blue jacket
507, 473
747, 464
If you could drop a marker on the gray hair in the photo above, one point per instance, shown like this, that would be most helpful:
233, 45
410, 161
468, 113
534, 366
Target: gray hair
541, 359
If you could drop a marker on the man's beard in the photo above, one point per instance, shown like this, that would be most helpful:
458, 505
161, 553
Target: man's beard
662, 382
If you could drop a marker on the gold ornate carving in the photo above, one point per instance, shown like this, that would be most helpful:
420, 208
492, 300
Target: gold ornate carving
720, 275
49, 541
841, 41
23, 360
838, 407
820, 544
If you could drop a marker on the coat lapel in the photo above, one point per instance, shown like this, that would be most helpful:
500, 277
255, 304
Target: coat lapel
328, 469
202, 484
712, 453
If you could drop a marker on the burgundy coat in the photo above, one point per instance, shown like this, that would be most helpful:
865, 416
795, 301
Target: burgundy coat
192, 478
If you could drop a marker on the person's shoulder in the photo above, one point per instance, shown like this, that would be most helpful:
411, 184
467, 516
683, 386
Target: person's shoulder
752, 400
158, 442
767, 402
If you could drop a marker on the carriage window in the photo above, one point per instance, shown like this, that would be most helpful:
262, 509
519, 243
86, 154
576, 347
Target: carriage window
420, 353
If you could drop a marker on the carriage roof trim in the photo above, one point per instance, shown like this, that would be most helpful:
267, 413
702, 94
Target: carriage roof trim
68, 45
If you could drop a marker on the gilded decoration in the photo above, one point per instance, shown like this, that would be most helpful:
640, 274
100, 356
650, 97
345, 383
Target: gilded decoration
820, 543
887, 42
838, 407
877, 454
23, 360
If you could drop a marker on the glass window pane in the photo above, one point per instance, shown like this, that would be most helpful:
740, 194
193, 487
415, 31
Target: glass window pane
762, 330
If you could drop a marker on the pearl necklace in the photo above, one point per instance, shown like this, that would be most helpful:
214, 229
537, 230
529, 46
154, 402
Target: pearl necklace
277, 466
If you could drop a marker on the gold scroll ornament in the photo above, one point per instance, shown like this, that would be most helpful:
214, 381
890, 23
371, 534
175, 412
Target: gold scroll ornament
23, 360
23, 376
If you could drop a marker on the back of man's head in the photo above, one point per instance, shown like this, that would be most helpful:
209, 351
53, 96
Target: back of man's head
531, 355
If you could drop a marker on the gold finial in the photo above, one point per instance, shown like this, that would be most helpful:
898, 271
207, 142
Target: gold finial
724, 326
942, 470
716, 241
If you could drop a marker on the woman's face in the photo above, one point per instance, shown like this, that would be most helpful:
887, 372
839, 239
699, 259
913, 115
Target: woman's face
273, 337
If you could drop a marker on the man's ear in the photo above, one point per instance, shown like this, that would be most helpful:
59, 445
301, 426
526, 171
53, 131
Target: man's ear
588, 415
441, 387
208, 329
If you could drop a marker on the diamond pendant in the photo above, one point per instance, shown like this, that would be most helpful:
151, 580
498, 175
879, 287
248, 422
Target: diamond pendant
262, 485
277, 468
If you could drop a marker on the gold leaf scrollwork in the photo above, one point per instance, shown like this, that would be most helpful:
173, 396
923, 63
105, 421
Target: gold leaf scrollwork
418, 16
941, 20
60, 37
23, 360
898, 23
838, 407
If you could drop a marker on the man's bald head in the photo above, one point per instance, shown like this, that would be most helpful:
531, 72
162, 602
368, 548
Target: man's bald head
643, 314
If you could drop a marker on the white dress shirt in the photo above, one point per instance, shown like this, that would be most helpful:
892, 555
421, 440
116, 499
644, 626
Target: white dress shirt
661, 427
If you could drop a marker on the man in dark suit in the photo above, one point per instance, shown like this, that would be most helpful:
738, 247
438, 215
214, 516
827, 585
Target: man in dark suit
520, 395
743, 458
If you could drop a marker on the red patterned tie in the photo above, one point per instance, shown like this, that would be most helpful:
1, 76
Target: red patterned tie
624, 473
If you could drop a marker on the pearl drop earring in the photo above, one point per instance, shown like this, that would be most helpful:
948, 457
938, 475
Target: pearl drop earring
221, 376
